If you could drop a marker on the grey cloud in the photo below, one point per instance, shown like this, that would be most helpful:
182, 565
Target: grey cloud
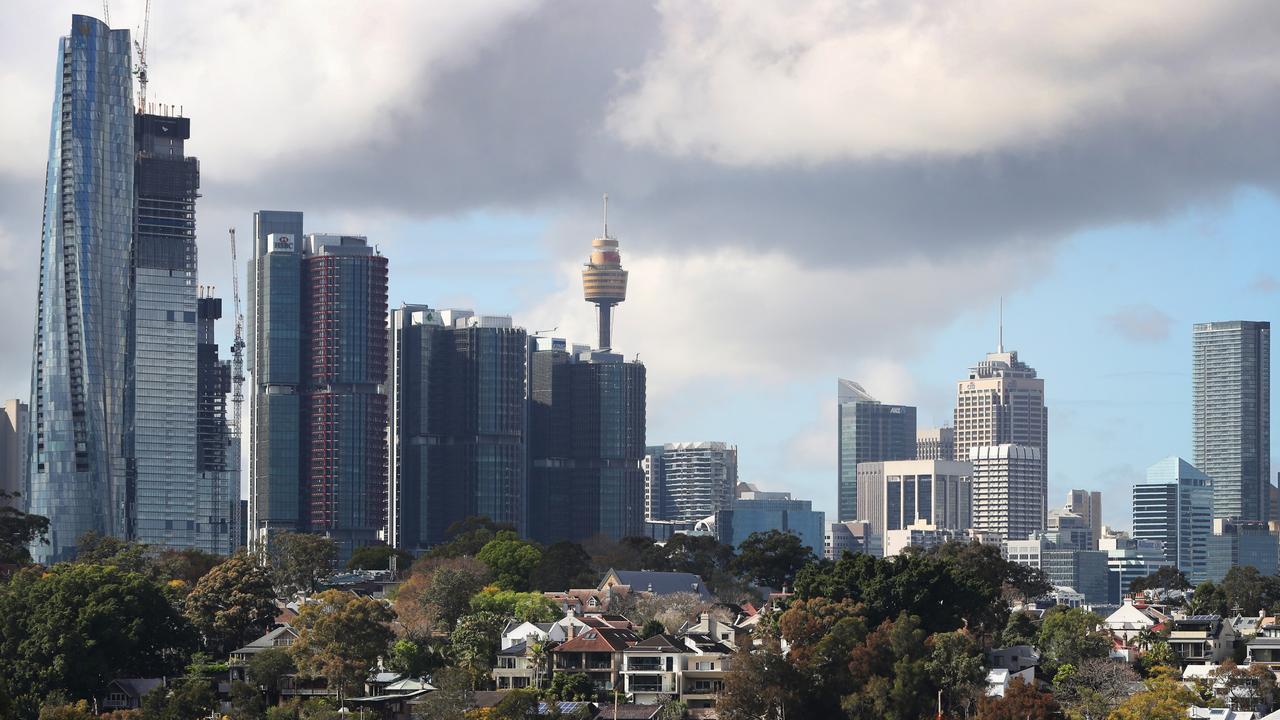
1140, 323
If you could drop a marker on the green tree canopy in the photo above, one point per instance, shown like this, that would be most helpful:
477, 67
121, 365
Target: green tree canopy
340, 635
19, 529
184, 699
299, 560
563, 566
76, 626
568, 687
265, 669
232, 604
772, 558
1070, 636
526, 606
510, 559
438, 592
378, 557
474, 643
1166, 578
467, 536
418, 657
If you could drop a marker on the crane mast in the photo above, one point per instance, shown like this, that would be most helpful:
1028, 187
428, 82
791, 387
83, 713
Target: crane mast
237, 344
141, 47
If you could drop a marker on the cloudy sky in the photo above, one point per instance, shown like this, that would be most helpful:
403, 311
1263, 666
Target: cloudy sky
802, 190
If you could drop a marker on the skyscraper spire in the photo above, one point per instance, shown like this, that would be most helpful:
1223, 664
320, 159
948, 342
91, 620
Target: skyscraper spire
604, 282
1000, 337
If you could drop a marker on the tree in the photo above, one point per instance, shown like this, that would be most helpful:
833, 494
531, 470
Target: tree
569, 687
181, 700
97, 549
772, 558
956, 665
452, 697
1209, 599
890, 673
73, 627
340, 636
762, 685
701, 555
232, 604
1245, 688
78, 710
188, 565
563, 566
299, 560
247, 702
474, 642
378, 557
519, 704
510, 559
1021, 629
652, 627
1159, 655
525, 606
1165, 579
419, 657
1020, 702
1070, 635
467, 536
1164, 699
265, 670
19, 530
1092, 689
672, 610
438, 592
628, 553
1249, 591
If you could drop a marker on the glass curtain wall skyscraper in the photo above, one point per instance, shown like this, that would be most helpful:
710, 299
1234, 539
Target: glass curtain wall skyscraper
458, 423
869, 432
77, 475
1173, 507
1231, 415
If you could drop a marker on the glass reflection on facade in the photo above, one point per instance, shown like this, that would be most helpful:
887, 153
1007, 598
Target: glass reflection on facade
77, 468
869, 431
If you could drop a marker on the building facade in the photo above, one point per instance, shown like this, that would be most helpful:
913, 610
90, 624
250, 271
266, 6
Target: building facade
1088, 505
1009, 490
1173, 507
936, 443
13, 453
896, 494
757, 511
854, 536
218, 525
457, 440
1238, 543
1127, 560
686, 482
77, 469
1231, 415
868, 432
1084, 571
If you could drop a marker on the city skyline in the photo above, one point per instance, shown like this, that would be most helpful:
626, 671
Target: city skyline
772, 401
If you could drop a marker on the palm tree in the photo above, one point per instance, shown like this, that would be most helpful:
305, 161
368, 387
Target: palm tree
1145, 638
538, 652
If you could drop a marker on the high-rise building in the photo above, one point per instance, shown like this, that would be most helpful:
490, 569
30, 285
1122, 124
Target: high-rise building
1002, 403
1245, 543
1231, 415
936, 443
457, 440
853, 536
1173, 506
218, 518
319, 333
78, 404
757, 511
1129, 559
1069, 530
13, 451
161, 410
896, 494
1008, 490
686, 482
1084, 571
869, 432
1088, 505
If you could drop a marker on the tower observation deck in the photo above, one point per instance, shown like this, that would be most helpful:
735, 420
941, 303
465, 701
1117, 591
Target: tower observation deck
604, 282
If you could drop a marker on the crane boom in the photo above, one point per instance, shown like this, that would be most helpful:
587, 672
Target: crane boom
237, 344
141, 47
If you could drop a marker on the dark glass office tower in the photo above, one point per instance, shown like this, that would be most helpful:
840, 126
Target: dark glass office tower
217, 517
458, 423
869, 431
77, 463
587, 442
319, 417
1231, 415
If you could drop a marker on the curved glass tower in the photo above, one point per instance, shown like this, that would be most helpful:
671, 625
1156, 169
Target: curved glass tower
76, 461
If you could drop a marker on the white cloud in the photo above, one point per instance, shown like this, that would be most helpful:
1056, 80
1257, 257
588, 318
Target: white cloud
781, 81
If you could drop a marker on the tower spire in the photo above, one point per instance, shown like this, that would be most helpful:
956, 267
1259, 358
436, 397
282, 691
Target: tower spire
606, 215
1000, 336
604, 282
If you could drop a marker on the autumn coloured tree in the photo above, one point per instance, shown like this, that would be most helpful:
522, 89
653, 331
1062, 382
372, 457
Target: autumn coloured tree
340, 636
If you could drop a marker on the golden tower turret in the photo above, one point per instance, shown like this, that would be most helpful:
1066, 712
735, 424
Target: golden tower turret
604, 282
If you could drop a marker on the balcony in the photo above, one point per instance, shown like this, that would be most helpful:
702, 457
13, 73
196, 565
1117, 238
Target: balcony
644, 664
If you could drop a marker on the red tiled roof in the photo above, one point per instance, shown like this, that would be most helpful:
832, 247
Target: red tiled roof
599, 640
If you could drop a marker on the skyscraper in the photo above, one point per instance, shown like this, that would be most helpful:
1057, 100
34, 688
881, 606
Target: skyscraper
689, 481
78, 378
1008, 490
319, 353
457, 440
218, 520
604, 282
1173, 506
1231, 415
757, 511
13, 451
160, 437
1088, 505
936, 443
893, 495
869, 432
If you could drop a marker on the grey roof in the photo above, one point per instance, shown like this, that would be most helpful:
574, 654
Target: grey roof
707, 643
662, 583
628, 712
138, 687
661, 642
266, 642
517, 649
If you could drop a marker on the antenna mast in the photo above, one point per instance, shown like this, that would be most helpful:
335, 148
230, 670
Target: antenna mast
1000, 337
106, 12
141, 47
606, 215
237, 344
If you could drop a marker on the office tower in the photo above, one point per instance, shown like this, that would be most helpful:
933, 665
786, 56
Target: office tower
319, 359
894, 495
1002, 403
458, 421
757, 511
1088, 505
1173, 506
1084, 571
77, 463
604, 282
13, 451
1237, 542
936, 443
218, 519
922, 535
854, 536
869, 432
160, 438
1008, 490
1127, 560
1069, 530
1231, 415
686, 482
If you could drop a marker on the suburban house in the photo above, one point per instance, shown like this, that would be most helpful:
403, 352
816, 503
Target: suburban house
291, 686
652, 669
655, 583
519, 664
597, 652
1128, 621
1014, 658
1201, 638
127, 693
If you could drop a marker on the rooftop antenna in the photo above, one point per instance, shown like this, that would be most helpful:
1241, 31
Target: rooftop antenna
1000, 338
606, 214
106, 13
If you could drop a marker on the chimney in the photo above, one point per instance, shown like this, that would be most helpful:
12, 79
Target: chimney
572, 631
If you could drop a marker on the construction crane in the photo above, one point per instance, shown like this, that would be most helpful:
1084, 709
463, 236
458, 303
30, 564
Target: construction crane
141, 47
106, 12
237, 344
